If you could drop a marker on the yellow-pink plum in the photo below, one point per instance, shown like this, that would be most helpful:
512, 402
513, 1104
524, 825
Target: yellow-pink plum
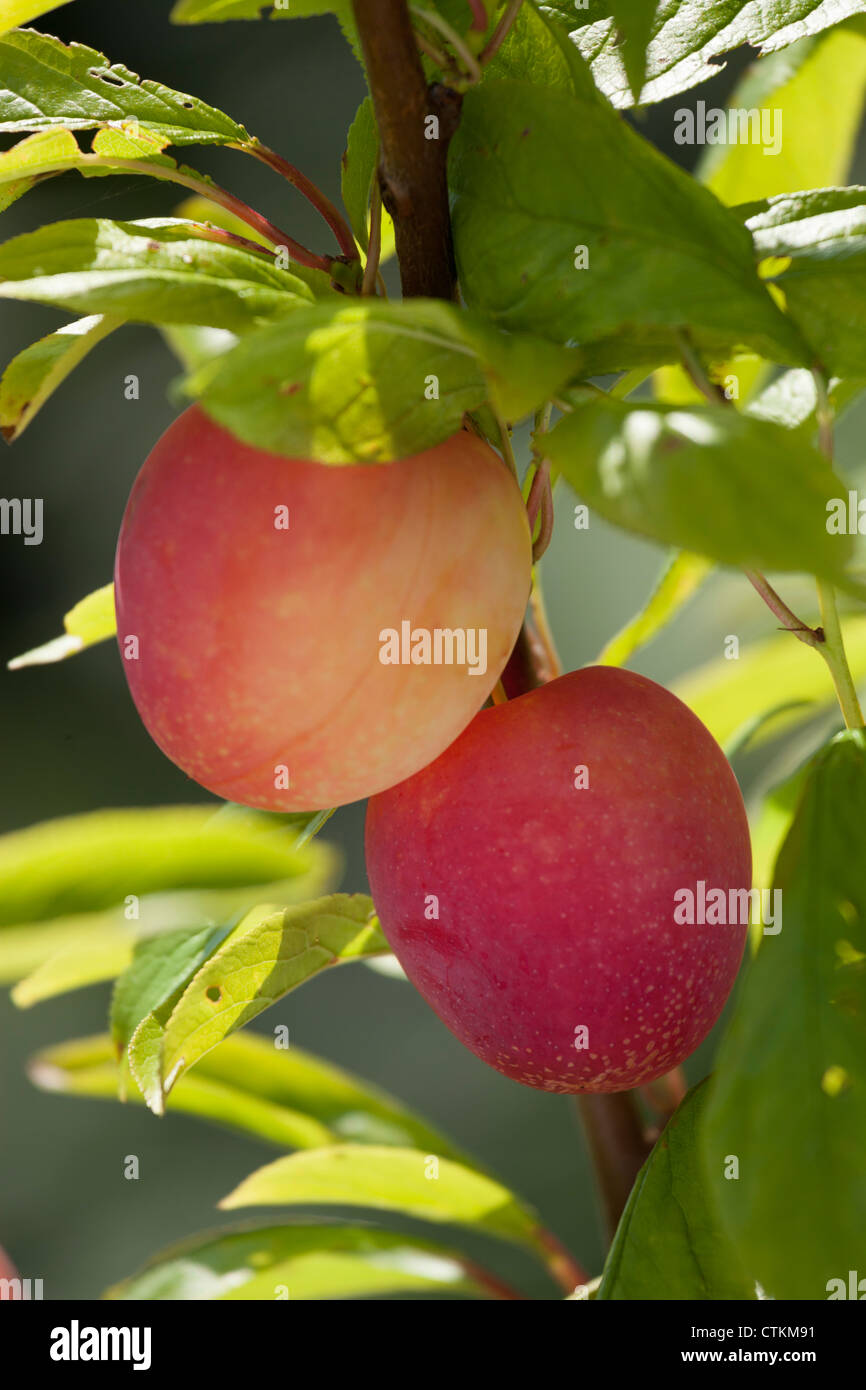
533, 882
255, 596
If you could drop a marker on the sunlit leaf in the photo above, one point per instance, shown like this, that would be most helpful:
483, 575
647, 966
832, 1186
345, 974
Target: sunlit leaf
681, 578
155, 271
36, 373
779, 673
299, 1263
47, 83
92, 620
404, 1181
270, 952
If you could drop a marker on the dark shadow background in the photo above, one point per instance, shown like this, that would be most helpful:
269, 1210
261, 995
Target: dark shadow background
71, 741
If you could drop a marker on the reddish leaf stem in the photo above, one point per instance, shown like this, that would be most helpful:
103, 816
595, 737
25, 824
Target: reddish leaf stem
314, 195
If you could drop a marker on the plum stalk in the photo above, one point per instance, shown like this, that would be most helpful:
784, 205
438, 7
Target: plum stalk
412, 177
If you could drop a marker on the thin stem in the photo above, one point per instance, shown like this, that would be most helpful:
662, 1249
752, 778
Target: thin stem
540, 503
479, 15
565, 1269
374, 245
544, 635
208, 190
833, 646
507, 450
833, 652
618, 1146
442, 61
664, 1095
495, 1286
695, 368
314, 195
811, 636
436, 21
500, 33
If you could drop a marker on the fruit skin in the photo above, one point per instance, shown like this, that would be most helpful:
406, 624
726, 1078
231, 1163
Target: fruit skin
259, 647
556, 905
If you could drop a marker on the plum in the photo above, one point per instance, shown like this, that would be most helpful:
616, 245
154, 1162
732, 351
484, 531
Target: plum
532, 880
280, 620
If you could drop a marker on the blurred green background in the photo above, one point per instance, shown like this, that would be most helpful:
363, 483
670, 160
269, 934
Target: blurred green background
71, 741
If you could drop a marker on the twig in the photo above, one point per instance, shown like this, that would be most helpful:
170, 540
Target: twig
618, 1145
415, 192
813, 637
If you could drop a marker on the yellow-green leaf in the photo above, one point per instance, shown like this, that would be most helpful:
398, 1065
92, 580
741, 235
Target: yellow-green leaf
91, 620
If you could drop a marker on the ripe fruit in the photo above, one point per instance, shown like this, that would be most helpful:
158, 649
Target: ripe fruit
556, 902
259, 646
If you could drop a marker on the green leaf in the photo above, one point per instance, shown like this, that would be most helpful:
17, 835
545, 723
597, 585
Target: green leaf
345, 383
789, 1095
634, 21
47, 83
17, 12
194, 345
780, 671
547, 241
404, 1181
681, 578
160, 967
769, 828
140, 852
741, 491
92, 620
209, 215
689, 38
45, 153
818, 242
670, 1243
288, 1098
813, 94
358, 173
270, 952
79, 964
210, 11
301, 1263
36, 373
155, 271
538, 51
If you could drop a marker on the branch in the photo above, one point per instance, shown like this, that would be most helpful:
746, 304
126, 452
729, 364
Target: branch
415, 192
618, 1146
412, 168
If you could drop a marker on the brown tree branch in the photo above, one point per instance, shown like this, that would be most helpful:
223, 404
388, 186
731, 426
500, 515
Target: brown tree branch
412, 168
415, 192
